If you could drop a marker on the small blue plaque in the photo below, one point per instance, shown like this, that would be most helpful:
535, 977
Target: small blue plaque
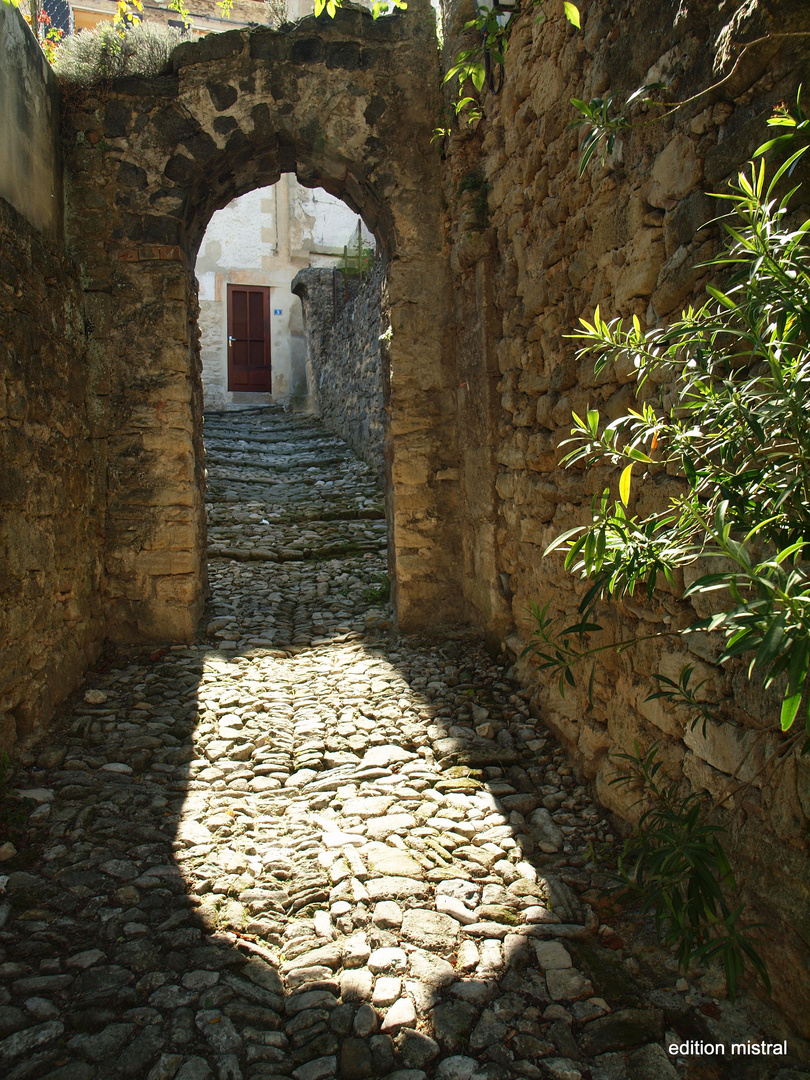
277, 311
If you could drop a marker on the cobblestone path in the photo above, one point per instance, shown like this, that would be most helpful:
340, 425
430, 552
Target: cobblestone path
301, 847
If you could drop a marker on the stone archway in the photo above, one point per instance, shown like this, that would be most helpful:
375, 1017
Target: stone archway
348, 105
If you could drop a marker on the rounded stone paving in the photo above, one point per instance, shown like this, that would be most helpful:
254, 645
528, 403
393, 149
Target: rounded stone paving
302, 847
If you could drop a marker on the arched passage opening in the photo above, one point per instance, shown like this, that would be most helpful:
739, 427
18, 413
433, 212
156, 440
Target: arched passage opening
292, 422
149, 162
257, 346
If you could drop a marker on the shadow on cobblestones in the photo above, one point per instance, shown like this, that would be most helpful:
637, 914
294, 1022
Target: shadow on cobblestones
303, 847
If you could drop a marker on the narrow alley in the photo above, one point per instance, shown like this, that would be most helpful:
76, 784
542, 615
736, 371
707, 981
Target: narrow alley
303, 847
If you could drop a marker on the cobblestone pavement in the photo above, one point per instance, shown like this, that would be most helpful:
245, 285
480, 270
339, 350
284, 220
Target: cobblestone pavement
301, 847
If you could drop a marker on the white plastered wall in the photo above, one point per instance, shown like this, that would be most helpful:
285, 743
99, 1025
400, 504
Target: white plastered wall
264, 238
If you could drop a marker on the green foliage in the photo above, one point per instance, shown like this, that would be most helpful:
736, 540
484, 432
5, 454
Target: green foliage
572, 14
50, 40
726, 389
680, 692
380, 7
358, 257
357, 261
785, 116
475, 182
98, 55
676, 867
472, 181
605, 121
379, 593
475, 66
562, 650
181, 9
471, 65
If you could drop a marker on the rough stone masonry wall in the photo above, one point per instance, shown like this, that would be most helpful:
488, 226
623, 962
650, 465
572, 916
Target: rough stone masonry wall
534, 248
343, 356
51, 624
148, 161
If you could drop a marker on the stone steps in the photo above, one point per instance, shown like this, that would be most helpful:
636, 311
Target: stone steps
301, 847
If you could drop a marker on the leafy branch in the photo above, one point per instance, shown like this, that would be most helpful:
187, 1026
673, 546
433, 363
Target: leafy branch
472, 68
735, 377
605, 118
676, 867
380, 7
605, 123
474, 65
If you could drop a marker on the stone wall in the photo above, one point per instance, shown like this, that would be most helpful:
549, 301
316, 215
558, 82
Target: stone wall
148, 163
51, 525
343, 356
534, 248
51, 623
30, 161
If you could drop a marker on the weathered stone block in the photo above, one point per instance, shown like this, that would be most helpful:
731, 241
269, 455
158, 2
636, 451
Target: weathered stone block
213, 47
728, 748
676, 171
644, 258
158, 563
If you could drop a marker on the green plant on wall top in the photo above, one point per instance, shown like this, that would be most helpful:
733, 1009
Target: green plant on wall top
473, 67
735, 376
101, 54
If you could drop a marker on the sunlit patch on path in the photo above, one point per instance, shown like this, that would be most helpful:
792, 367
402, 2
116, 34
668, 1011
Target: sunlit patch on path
302, 847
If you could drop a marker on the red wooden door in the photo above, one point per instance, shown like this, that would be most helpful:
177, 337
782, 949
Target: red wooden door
249, 338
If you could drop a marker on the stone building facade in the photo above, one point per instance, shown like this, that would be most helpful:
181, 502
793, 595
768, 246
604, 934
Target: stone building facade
206, 16
263, 239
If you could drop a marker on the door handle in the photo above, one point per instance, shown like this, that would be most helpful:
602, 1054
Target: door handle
231, 339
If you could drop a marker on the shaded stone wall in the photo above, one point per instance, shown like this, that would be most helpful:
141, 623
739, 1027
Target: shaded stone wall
51, 464
51, 623
343, 356
533, 248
